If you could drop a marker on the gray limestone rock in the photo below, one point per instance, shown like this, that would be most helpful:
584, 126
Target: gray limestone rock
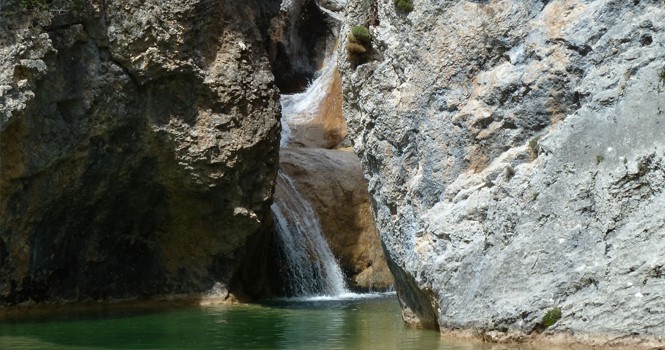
514, 150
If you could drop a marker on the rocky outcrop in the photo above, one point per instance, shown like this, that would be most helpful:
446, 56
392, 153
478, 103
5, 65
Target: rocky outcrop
138, 147
515, 156
333, 184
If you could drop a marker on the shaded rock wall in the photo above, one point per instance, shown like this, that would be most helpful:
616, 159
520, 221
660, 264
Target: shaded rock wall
302, 35
138, 147
514, 151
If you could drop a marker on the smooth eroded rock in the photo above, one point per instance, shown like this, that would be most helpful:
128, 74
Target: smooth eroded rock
333, 184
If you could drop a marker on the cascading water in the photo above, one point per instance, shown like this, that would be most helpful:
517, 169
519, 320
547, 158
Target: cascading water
308, 265
303, 107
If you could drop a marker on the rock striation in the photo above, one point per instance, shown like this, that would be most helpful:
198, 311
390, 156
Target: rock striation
138, 148
514, 151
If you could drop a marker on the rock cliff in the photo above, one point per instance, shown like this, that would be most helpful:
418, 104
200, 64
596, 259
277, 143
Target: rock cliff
514, 151
138, 147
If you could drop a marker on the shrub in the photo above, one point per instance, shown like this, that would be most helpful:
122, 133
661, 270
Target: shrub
358, 45
361, 34
551, 317
353, 48
404, 5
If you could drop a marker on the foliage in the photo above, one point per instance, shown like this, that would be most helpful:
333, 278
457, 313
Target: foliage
551, 317
358, 45
404, 5
661, 75
361, 34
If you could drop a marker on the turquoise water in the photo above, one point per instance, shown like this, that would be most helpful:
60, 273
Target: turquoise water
356, 323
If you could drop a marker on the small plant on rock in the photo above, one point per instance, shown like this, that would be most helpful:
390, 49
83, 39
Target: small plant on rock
534, 147
361, 35
599, 158
551, 317
358, 45
404, 5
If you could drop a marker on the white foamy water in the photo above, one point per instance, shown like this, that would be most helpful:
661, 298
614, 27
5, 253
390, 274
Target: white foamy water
339, 297
305, 106
309, 267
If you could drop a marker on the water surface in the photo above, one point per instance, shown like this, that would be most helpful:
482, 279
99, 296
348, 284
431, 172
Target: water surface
347, 322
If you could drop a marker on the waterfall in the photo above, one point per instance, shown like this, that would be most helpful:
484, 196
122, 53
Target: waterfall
308, 266
304, 107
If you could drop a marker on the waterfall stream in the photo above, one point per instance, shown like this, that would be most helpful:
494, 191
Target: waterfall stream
308, 266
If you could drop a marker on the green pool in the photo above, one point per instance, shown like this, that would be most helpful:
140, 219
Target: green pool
354, 322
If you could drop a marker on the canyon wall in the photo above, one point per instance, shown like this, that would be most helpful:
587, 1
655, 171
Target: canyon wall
138, 148
514, 151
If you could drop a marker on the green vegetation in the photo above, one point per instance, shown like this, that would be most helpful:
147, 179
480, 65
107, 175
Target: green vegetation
534, 147
534, 196
361, 35
661, 75
358, 45
551, 317
404, 5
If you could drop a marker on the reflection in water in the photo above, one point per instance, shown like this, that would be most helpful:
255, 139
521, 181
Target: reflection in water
332, 323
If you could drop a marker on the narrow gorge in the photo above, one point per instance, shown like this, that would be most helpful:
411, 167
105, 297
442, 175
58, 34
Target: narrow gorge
499, 162
321, 184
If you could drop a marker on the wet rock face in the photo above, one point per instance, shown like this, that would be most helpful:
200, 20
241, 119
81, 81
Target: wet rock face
515, 155
333, 184
322, 124
138, 148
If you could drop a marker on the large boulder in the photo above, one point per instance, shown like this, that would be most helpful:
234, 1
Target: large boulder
333, 184
515, 152
138, 147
